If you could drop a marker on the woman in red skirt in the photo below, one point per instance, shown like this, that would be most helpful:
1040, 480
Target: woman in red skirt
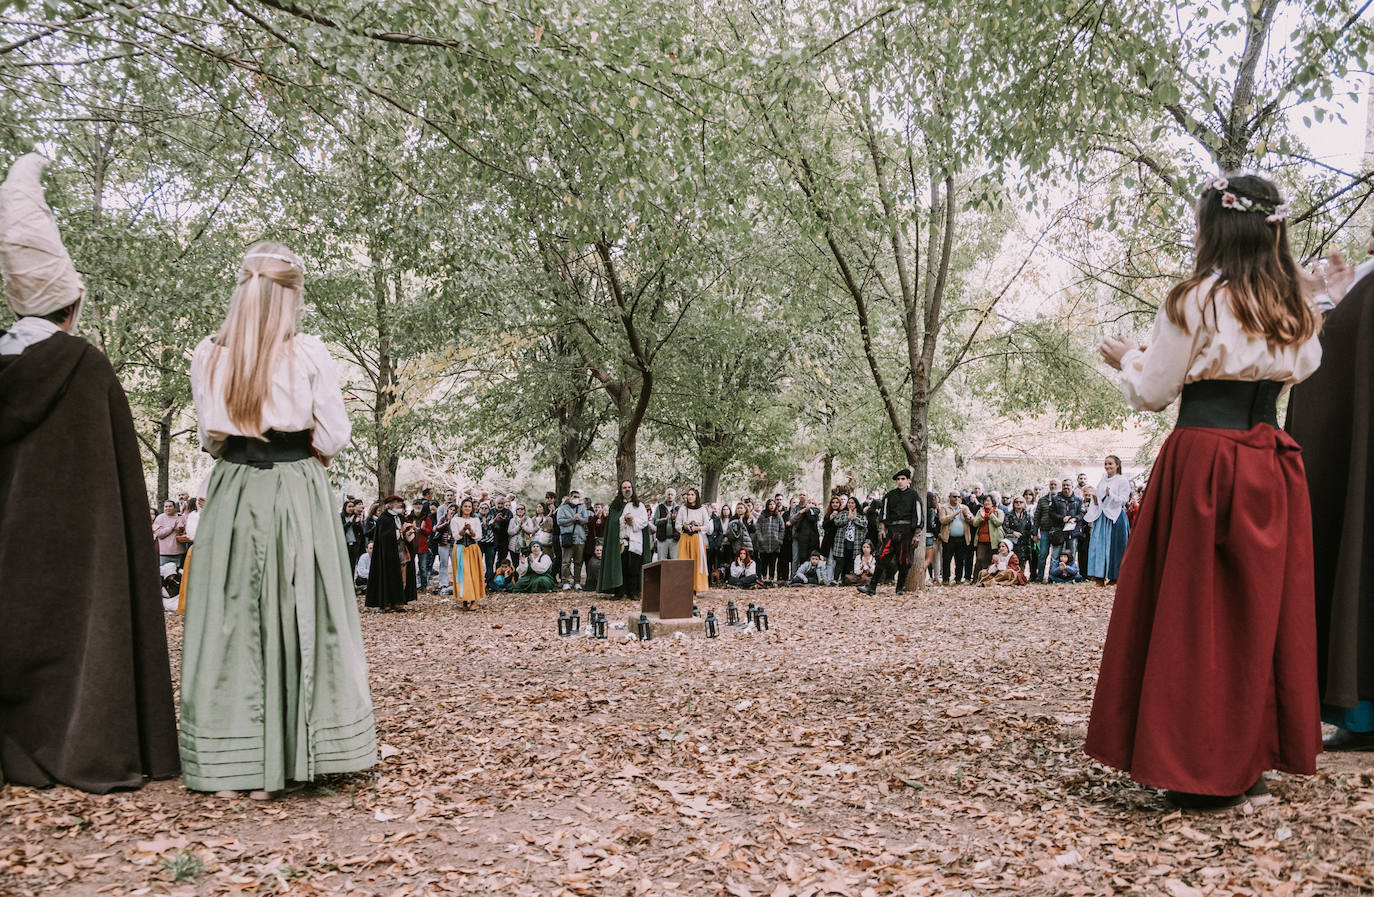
1209, 672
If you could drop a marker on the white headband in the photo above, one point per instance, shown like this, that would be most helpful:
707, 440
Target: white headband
281, 258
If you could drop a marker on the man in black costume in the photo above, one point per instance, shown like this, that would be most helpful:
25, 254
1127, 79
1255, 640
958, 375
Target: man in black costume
85, 683
1331, 415
902, 515
391, 582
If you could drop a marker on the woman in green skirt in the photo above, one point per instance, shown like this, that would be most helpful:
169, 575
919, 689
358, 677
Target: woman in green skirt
273, 679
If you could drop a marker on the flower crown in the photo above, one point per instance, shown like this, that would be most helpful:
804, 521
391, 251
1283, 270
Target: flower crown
1241, 202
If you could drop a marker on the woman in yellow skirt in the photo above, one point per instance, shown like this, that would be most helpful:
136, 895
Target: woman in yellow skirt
693, 522
469, 576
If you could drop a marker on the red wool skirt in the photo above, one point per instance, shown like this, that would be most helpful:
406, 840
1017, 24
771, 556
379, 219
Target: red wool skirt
1209, 672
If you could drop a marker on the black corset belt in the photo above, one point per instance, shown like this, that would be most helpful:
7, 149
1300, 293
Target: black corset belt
1230, 404
260, 453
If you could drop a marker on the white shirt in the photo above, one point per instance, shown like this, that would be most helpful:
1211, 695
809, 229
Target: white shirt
539, 565
700, 516
1112, 494
864, 565
630, 537
1153, 377
304, 395
738, 570
460, 522
26, 332
364, 568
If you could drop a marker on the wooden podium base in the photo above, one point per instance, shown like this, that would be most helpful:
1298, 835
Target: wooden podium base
667, 628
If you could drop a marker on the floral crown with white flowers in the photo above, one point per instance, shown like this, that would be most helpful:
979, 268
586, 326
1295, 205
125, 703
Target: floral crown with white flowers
1237, 201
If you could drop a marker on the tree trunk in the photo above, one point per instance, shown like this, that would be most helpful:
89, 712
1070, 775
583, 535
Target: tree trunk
631, 405
386, 475
387, 461
562, 476
710, 483
626, 447
574, 439
164, 454
827, 475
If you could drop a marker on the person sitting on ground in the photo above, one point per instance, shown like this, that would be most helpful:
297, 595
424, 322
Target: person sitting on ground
810, 572
744, 573
503, 579
535, 571
592, 567
864, 566
171, 585
1065, 570
363, 570
1005, 569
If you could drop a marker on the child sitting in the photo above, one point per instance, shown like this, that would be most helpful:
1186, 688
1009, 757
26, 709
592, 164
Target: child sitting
504, 577
809, 573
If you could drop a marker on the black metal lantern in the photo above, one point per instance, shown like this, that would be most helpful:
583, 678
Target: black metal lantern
645, 629
564, 624
599, 625
591, 614
696, 611
749, 614
761, 619
712, 626
731, 613
574, 622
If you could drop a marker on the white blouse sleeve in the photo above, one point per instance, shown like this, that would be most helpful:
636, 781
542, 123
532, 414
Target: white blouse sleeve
200, 394
1151, 378
332, 428
476, 529
1120, 489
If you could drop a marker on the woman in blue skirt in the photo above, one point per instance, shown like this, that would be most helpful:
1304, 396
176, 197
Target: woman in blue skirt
1106, 513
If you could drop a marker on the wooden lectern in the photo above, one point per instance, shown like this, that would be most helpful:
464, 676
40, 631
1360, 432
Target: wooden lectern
668, 589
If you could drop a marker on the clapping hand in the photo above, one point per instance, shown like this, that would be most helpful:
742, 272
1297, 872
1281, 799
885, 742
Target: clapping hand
1113, 348
1335, 274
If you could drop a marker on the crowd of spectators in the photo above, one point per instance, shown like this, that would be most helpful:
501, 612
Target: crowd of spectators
972, 536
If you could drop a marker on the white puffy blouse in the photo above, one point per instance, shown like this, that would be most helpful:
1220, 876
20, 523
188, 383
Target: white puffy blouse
304, 395
1153, 376
1112, 494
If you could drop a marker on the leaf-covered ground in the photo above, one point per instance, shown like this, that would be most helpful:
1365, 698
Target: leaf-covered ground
922, 745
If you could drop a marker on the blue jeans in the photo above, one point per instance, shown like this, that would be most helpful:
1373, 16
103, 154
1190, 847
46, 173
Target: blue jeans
1042, 563
489, 560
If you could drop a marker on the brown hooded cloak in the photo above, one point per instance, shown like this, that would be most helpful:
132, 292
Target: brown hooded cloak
85, 683
1331, 415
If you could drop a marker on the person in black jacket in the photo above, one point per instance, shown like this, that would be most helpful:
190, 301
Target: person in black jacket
903, 516
1019, 529
806, 533
1044, 524
1066, 509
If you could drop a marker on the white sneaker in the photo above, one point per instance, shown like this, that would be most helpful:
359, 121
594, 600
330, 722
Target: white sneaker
566, 587
577, 587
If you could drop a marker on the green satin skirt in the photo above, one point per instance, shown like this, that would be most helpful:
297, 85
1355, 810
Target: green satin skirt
273, 676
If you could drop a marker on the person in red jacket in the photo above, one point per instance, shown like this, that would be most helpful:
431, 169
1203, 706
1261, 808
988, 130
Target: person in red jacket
424, 529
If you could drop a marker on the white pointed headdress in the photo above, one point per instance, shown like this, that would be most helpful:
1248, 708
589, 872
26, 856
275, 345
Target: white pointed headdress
39, 275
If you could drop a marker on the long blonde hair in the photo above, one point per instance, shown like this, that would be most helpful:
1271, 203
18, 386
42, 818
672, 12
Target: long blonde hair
261, 321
